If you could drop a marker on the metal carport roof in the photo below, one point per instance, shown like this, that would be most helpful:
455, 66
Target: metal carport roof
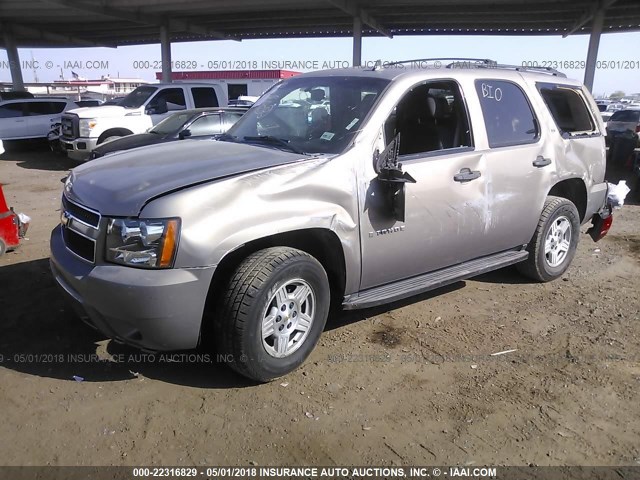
64, 23
69, 23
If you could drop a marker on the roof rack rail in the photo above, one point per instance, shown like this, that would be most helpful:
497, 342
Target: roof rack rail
476, 61
520, 68
472, 63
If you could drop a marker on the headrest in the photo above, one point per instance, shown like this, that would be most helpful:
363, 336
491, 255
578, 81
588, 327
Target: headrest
317, 95
438, 106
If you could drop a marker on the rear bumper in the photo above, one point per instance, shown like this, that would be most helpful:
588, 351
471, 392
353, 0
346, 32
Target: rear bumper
158, 310
602, 218
596, 200
78, 149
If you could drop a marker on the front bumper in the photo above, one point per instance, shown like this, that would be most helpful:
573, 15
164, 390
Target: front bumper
158, 310
78, 149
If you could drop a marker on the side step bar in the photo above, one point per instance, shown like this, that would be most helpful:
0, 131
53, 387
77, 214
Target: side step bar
430, 281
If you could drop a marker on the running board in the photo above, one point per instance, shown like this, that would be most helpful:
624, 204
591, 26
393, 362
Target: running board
430, 281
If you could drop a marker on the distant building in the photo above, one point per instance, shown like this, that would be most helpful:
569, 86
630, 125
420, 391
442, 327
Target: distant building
238, 82
103, 88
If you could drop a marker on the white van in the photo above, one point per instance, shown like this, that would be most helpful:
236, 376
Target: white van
31, 117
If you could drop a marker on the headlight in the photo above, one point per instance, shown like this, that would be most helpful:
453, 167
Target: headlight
143, 243
86, 125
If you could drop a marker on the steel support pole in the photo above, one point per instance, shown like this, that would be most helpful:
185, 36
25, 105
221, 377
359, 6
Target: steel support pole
14, 61
165, 48
357, 41
592, 54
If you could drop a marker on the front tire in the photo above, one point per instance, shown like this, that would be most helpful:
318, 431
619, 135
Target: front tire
273, 312
108, 139
554, 242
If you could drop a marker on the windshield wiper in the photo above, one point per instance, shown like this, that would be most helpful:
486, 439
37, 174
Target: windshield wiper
274, 141
225, 137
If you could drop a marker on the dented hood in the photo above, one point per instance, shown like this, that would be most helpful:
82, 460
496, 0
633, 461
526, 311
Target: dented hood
122, 183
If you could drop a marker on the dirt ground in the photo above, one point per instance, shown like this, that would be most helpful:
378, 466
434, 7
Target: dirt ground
410, 383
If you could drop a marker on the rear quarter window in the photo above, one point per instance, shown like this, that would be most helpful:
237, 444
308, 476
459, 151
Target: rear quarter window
508, 116
568, 108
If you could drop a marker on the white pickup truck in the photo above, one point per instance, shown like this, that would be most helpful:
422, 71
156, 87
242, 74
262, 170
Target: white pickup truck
84, 128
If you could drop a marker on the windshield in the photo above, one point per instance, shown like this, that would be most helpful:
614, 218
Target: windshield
137, 98
310, 114
171, 124
626, 116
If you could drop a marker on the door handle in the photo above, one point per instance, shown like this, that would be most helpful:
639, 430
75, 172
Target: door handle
540, 161
20, 121
466, 175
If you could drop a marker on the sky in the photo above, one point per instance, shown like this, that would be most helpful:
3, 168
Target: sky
619, 63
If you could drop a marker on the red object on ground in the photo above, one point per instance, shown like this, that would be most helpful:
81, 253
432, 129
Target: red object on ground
600, 227
9, 226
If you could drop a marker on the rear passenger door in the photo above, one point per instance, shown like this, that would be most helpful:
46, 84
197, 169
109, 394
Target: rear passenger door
519, 164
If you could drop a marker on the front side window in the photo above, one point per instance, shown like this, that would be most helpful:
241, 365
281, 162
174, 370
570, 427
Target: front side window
205, 125
171, 124
137, 98
12, 110
46, 108
310, 114
173, 98
508, 116
568, 108
430, 117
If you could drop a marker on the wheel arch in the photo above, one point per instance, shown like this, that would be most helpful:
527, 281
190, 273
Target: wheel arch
321, 243
574, 190
122, 132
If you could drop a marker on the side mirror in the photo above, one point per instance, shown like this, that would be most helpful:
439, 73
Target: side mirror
391, 179
184, 134
386, 164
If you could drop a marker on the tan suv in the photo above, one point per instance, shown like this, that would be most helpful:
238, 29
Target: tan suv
357, 187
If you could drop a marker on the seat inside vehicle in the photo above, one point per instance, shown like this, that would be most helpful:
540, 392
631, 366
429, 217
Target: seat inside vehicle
429, 118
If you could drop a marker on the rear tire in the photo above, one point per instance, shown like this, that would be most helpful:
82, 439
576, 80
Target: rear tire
273, 312
3, 247
554, 242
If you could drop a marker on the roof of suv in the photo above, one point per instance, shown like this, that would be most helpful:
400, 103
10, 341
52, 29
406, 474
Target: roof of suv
396, 71
179, 84
35, 100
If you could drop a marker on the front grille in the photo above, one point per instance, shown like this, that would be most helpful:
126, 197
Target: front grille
81, 246
80, 229
70, 126
84, 215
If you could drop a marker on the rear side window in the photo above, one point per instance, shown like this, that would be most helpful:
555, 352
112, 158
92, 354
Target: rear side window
46, 108
626, 116
204, 97
508, 116
568, 108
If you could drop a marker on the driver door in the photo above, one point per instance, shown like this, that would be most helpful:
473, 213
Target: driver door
165, 103
446, 210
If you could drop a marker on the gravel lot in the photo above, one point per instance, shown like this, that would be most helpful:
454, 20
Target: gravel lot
410, 383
